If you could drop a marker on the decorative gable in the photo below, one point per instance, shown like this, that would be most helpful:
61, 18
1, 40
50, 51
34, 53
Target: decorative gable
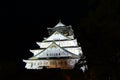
66, 43
74, 50
53, 51
57, 36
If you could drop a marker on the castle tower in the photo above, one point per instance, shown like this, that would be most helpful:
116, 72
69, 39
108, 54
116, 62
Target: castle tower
59, 50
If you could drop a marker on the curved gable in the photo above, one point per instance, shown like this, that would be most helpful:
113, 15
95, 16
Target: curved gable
54, 51
57, 36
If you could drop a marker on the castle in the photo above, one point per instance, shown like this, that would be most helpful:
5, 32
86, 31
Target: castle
59, 50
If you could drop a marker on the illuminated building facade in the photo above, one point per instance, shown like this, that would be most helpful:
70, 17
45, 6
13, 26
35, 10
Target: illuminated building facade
59, 50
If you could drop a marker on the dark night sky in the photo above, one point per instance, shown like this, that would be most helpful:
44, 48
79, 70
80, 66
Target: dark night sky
95, 23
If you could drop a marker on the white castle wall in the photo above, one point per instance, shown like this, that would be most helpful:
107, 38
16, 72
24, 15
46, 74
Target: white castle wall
51, 63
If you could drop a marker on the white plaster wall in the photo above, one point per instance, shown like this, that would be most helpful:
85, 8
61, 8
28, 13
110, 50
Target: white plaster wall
59, 63
75, 50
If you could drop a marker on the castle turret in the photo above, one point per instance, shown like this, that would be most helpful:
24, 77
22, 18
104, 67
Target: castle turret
62, 28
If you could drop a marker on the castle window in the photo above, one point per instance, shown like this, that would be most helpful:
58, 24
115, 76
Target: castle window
31, 64
65, 63
52, 62
39, 63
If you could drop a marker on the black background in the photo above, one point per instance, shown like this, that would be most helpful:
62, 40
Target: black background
95, 23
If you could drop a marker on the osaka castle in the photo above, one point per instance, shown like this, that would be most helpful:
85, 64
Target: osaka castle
59, 50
